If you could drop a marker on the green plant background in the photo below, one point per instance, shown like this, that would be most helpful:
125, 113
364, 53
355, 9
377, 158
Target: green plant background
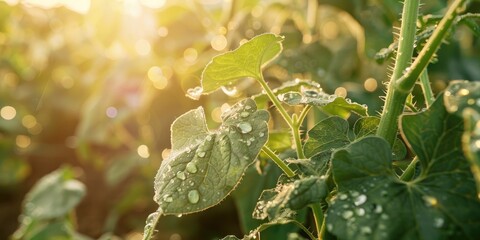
92, 90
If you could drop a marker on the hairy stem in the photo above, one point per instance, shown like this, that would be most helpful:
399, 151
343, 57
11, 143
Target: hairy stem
425, 56
280, 163
395, 100
426, 88
275, 101
297, 123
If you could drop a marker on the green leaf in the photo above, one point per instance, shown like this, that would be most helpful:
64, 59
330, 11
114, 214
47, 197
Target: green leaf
471, 142
307, 97
328, 134
54, 195
343, 107
279, 202
461, 95
204, 166
245, 61
373, 204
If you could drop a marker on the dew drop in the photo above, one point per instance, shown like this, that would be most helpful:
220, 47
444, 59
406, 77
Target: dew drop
261, 134
230, 90
354, 193
248, 107
195, 93
347, 214
360, 211
191, 167
329, 227
181, 175
193, 196
378, 209
361, 199
245, 127
342, 196
384, 216
366, 230
201, 154
179, 215
209, 138
438, 222
167, 198
244, 114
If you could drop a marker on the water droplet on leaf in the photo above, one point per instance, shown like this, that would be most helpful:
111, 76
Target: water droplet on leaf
430, 201
347, 214
245, 127
244, 114
193, 196
181, 175
201, 154
191, 167
342, 196
438, 222
229, 90
360, 211
366, 230
361, 199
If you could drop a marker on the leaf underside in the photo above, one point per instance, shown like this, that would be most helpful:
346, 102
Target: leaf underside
204, 166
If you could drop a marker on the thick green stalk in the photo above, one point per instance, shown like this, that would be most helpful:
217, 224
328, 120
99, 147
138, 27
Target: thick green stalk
280, 163
410, 171
401, 83
407, 82
275, 101
395, 100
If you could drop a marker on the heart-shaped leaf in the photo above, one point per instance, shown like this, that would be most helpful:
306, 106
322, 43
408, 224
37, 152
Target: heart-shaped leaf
245, 61
440, 204
204, 166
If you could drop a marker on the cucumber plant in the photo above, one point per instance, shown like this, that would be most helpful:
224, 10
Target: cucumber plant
348, 176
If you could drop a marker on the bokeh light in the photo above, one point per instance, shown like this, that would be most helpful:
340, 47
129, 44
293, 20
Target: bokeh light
8, 112
143, 151
370, 84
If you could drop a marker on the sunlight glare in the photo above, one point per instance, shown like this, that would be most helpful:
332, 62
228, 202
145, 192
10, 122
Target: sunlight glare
79, 6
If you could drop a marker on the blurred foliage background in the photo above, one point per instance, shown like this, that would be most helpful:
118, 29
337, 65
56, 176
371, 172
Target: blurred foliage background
95, 85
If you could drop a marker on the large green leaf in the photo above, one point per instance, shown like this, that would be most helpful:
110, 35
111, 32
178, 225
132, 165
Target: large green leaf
204, 166
245, 61
54, 195
440, 204
471, 142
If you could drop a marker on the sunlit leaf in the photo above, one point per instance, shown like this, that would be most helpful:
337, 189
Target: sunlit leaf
54, 195
343, 107
245, 61
205, 166
471, 142
373, 204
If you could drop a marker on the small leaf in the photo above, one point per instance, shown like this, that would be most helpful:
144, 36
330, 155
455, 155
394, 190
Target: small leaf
278, 202
328, 134
245, 61
343, 107
204, 166
54, 195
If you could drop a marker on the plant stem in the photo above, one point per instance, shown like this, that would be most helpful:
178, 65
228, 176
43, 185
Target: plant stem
319, 219
425, 56
410, 171
275, 101
426, 88
297, 123
395, 100
280, 163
